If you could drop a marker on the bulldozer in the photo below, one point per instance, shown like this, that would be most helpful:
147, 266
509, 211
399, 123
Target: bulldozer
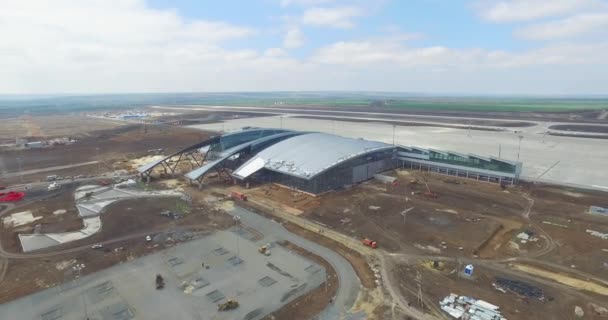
228, 305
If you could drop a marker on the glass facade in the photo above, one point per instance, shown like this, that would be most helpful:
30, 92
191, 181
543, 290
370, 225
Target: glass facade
231, 140
472, 162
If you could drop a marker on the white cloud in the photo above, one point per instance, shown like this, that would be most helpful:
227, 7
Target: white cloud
274, 52
336, 17
82, 46
294, 38
577, 25
285, 3
522, 10
370, 53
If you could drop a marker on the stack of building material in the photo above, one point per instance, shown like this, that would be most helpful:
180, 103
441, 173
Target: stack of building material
520, 288
467, 308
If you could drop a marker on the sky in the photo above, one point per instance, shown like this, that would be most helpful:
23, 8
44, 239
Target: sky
556, 47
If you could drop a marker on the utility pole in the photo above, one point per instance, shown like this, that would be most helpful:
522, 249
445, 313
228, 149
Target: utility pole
519, 146
404, 213
419, 295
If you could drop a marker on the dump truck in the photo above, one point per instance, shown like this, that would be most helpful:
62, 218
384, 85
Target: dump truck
228, 305
238, 196
369, 243
160, 282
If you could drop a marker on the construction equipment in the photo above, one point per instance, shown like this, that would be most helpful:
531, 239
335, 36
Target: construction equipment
430, 194
369, 243
264, 250
228, 305
437, 265
53, 186
235, 195
160, 282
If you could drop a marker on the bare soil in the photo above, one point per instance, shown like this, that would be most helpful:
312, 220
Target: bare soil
123, 143
438, 284
68, 221
465, 214
573, 245
42, 127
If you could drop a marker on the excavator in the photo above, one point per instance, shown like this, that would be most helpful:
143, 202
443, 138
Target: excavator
228, 305
430, 194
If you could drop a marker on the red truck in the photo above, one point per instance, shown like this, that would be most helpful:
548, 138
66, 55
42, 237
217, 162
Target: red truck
369, 243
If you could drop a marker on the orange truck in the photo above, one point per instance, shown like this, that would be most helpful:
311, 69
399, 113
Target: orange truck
238, 196
369, 243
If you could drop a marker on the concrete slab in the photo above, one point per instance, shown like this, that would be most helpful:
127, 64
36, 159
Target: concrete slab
127, 291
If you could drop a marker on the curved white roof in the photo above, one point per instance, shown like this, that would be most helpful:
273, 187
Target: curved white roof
307, 155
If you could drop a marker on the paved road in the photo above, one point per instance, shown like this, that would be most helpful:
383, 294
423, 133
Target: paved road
349, 283
55, 168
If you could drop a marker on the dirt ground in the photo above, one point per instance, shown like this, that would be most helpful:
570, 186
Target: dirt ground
484, 219
436, 285
112, 145
315, 301
36, 127
567, 211
460, 221
68, 221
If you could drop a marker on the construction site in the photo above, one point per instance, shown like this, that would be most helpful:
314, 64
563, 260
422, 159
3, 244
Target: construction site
203, 220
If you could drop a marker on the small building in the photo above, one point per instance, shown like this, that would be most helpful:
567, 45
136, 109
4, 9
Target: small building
468, 270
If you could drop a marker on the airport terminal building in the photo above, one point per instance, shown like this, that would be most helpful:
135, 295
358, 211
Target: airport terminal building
316, 162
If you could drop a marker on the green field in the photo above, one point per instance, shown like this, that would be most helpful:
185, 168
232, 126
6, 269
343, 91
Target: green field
57, 104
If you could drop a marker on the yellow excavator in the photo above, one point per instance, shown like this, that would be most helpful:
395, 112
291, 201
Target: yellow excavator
228, 305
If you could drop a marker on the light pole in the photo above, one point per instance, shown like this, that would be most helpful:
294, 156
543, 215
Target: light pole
519, 146
97, 158
237, 221
20, 173
404, 213
393, 134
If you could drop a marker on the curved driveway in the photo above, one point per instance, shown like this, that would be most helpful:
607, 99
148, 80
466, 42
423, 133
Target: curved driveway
349, 283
